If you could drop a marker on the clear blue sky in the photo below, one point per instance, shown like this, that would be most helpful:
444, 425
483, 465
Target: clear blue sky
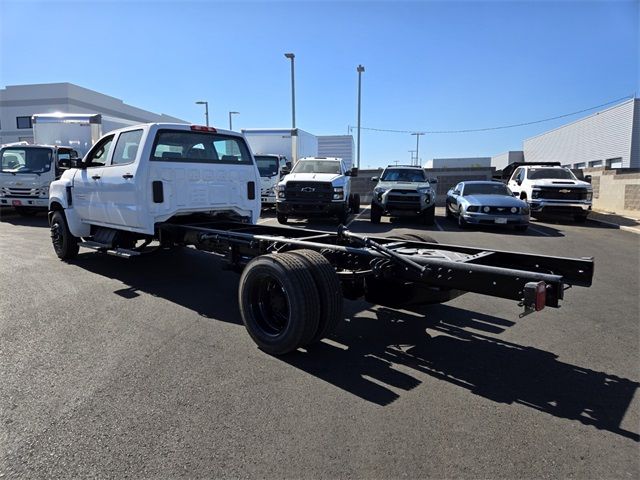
429, 65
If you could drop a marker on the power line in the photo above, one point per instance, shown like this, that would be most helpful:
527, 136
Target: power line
502, 127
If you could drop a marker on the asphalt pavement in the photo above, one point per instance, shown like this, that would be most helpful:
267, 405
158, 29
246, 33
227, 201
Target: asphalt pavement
142, 368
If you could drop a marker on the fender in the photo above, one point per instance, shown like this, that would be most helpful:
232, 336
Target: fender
60, 197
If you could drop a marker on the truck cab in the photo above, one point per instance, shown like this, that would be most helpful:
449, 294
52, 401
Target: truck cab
136, 177
551, 189
26, 171
270, 167
317, 187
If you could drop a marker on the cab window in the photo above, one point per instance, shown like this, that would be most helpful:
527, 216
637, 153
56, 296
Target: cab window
126, 147
98, 155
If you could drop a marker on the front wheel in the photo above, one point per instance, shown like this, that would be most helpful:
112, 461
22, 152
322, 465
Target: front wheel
282, 218
64, 244
343, 216
356, 203
429, 215
376, 213
462, 223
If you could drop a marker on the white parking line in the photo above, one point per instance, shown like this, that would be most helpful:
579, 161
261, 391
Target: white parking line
364, 209
438, 225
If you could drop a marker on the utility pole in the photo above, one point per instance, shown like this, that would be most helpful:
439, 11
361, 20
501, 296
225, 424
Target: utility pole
291, 57
360, 69
411, 152
417, 134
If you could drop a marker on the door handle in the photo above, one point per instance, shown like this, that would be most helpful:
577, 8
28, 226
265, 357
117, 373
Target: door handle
127, 175
96, 177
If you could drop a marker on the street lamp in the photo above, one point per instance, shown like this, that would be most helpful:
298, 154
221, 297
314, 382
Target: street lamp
206, 110
291, 56
230, 124
417, 134
411, 152
360, 69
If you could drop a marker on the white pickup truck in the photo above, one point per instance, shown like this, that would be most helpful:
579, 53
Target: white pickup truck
173, 185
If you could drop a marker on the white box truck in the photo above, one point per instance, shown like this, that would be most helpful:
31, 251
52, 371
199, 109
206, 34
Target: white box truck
292, 143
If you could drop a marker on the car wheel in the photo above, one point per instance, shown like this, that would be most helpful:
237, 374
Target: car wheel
282, 218
447, 211
356, 203
376, 213
429, 215
462, 223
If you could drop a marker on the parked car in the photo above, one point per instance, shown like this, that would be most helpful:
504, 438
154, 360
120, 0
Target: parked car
403, 191
486, 203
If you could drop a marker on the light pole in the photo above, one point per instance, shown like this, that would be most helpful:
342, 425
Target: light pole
291, 56
360, 69
206, 110
411, 152
417, 134
231, 124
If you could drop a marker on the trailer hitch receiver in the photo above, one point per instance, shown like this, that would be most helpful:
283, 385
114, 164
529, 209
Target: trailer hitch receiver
535, 297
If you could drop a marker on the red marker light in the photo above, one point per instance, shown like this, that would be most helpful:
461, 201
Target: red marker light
202, 128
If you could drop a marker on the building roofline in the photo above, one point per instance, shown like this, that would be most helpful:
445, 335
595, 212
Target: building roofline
583, 118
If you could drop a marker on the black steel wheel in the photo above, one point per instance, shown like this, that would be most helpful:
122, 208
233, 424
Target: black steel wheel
356, 203
343, 216
279, 302
329, 290
64, 244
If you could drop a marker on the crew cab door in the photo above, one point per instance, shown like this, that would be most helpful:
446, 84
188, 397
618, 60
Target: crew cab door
120, 195
516, 181
87, 183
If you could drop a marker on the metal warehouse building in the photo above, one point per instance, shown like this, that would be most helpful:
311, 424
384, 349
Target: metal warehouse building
19, 102
609, 138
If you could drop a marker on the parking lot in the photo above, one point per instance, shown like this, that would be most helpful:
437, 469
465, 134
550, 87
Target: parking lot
142, 368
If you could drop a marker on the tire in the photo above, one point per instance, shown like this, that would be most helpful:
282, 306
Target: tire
447, 212
329, 289
279, 302
356, 204
282, 218
462, 224
343, 216
376, 213
416, 237
64, 244
26, 211
429, 216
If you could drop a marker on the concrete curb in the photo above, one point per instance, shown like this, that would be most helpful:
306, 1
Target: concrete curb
616, 226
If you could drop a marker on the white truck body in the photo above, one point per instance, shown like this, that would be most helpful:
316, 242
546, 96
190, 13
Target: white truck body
79, 131
26, 172
292, 143
270, 167
340, 146
136, 177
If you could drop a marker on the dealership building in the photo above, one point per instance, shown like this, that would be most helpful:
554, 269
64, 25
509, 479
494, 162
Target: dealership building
608, 138
19, 102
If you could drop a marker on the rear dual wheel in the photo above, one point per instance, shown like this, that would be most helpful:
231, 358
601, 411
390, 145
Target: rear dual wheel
288, 300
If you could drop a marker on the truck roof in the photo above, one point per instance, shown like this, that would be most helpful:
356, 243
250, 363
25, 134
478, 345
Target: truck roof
180, 126
331, 159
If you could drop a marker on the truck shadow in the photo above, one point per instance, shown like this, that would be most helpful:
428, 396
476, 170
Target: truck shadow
13, 218
363, 356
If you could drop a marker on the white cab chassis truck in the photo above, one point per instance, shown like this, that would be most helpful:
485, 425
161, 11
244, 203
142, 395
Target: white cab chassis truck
165, 186
271, 167
317, 187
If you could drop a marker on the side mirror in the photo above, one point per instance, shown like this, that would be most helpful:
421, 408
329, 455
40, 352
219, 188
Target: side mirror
285, 171
375, 179
288, 165
456, 192
587, 178
76, 163
354, 172
65, 163
433, 180
519, 182
515, 194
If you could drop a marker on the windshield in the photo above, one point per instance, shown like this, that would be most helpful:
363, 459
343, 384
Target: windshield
558, 173
317, 166
485, 189
267, 165
403, 175
26, 160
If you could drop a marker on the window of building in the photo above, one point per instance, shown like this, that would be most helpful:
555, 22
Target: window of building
595, 163
23, 122
614, 162
580, 165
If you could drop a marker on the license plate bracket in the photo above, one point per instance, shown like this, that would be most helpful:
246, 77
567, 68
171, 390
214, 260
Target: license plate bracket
501, 220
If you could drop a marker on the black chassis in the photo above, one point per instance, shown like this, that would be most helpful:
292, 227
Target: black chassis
392, 272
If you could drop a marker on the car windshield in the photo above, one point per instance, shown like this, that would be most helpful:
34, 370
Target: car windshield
403, 175
26, 160
485, 189
267, 165
317, 166
552, 173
